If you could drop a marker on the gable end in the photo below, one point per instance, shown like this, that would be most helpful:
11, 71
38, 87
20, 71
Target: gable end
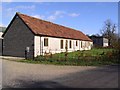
13, 21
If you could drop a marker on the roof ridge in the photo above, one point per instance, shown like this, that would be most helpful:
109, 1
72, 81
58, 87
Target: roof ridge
48, 21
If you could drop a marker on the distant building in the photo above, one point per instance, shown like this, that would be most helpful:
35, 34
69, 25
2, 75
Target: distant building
1, 43
1, 34
2, 29
99, 41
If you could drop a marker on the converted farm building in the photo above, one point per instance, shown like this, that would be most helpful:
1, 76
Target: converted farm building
39, 37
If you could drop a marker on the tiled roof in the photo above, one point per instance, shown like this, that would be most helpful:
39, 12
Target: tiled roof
42, 27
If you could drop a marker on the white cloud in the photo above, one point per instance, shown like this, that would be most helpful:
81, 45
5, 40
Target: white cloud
60, 14
0, 9
25, 7
55, 15
51, 18
21, 7
1, 25
7, 0
39, 16
74, 14
12, 11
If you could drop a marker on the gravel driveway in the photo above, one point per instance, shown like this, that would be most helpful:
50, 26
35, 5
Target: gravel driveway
19, 75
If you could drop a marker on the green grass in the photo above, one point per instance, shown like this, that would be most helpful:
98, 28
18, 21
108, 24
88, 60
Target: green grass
73, 63
79, 58
92, 52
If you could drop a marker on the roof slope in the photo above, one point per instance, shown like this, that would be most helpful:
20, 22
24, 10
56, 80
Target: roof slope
41, 27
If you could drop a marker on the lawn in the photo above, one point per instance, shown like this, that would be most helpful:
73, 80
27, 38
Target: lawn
92, 52
94, 57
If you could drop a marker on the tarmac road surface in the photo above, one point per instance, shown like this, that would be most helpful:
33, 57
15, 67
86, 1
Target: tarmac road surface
24, 75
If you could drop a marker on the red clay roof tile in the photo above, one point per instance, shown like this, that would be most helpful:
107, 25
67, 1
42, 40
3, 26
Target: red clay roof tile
42, 27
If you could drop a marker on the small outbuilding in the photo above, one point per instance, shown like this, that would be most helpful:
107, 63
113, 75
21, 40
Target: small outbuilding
1, 43
99, 41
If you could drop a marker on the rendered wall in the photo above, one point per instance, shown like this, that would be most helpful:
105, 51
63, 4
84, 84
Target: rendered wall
54, 45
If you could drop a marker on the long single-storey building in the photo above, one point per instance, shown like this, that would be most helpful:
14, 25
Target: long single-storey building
37, 37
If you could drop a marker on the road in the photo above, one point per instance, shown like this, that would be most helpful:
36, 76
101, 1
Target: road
24, 75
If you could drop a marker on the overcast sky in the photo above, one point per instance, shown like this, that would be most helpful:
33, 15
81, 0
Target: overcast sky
87, 17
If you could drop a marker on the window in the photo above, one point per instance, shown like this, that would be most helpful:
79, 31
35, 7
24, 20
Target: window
61, 44
76, 43
70, 44
45, 41
81, 44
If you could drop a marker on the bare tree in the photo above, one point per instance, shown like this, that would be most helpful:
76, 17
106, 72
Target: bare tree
108, 31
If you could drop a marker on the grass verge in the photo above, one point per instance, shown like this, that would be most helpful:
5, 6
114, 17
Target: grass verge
94, 57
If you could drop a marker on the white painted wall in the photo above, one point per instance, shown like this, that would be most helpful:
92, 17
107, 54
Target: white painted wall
1, 35
105, 44
36, 46
1, 43
54, 45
